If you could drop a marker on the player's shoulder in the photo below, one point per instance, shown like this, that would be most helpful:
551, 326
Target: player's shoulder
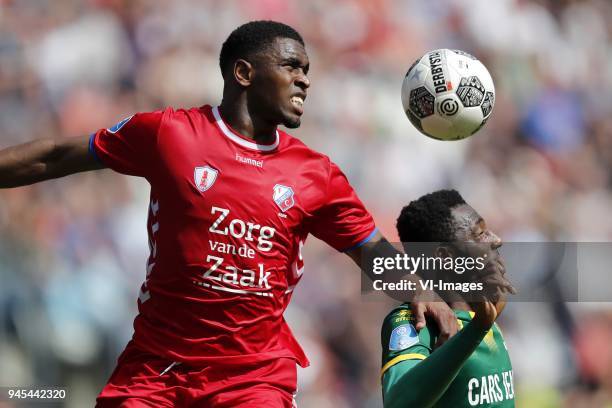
174, 121
186, 114
168, 113
399, 315
292, 145
398, 331
398, 324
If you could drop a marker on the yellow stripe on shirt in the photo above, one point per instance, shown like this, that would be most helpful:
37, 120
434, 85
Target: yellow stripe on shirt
403, 357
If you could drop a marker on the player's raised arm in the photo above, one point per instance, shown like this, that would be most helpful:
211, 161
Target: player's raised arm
45, 159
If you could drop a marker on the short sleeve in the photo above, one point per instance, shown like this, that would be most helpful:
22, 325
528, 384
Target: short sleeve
342, 221
129, 147
400, 341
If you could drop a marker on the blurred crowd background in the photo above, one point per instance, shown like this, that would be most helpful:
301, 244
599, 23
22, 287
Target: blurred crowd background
73, 251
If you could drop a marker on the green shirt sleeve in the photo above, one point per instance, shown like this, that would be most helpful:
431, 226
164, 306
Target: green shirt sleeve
414, 375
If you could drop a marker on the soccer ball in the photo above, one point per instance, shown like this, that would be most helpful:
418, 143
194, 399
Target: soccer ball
448, 94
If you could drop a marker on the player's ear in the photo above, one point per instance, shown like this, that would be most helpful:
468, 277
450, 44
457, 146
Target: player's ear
243, 72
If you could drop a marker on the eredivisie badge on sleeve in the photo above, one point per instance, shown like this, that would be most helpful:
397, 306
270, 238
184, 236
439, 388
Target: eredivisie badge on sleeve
403, 337
204, 177
283, 197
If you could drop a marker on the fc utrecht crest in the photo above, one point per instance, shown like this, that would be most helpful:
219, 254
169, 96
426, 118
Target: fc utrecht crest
283, 197
204, 177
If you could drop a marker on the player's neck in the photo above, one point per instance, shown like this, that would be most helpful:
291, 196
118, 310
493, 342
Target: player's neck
237, 116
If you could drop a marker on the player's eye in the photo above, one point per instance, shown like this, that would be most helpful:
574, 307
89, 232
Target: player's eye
294, 66
289, 67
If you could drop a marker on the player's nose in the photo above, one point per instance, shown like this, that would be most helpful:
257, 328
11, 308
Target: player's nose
302, 81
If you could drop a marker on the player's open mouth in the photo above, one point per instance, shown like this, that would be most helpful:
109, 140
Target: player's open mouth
298, 104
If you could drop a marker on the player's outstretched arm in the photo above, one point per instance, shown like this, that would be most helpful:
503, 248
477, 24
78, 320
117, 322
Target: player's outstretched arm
45, 159
424, 303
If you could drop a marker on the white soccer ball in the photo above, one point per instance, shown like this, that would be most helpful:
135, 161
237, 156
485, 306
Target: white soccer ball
448, 94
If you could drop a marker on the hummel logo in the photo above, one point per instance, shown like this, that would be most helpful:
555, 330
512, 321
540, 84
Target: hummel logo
248, 160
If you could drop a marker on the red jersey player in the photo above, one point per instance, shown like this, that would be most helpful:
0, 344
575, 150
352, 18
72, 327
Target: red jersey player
233, 200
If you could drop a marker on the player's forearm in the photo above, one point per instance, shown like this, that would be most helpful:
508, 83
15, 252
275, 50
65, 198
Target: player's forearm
43, 159
379, 247
26, 163
423, 384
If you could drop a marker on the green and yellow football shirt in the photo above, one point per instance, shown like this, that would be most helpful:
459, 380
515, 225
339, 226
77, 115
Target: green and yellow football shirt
471, 370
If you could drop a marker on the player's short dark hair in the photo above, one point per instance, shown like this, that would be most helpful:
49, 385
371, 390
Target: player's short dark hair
428, 219
251, 38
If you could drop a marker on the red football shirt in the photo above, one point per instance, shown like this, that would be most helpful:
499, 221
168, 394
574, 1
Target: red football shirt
227, 221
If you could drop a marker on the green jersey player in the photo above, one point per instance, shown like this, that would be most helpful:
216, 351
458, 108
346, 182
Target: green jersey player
473, 368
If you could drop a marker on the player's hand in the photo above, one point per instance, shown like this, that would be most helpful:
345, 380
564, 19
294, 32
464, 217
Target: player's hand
437, 310
494, 278
489, 306
486, 311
